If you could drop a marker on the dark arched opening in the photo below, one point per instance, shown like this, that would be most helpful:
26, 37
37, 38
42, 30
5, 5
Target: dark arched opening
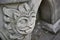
45, 11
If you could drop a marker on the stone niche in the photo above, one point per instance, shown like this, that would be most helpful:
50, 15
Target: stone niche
49, 12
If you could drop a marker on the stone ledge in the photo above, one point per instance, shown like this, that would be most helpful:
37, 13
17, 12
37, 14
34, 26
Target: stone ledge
51, 27
11, 1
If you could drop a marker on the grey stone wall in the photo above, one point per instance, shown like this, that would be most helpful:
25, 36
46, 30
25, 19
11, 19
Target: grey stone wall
30, 19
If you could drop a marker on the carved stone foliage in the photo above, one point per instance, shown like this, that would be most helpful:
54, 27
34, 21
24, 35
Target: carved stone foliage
19, 21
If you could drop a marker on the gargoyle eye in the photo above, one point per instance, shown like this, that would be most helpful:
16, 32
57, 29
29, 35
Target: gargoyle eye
16, 16
6, 15
33, 16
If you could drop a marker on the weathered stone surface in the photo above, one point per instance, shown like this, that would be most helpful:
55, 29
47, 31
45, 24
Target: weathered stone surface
50, 14
42, 34
11, 1
50, 10
51, 27
19, 19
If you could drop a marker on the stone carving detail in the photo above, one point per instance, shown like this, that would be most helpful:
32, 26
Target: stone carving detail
19, 21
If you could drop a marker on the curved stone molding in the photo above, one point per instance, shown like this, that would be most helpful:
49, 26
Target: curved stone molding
12, 1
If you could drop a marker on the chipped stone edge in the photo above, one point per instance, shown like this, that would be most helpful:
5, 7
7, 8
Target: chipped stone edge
51, 27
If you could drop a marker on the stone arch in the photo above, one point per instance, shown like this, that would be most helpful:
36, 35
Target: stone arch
49, 14
45, 11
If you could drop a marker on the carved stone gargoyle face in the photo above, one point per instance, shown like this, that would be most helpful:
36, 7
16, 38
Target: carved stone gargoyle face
20, 21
